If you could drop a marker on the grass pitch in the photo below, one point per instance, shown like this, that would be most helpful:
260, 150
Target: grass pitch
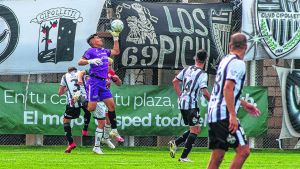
23, 157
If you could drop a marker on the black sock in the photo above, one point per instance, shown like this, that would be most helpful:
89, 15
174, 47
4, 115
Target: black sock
87, 118
188, 144
182, 138
68, 132
112, 119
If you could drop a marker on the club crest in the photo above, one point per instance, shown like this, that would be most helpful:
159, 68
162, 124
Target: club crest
278, 22
57, 34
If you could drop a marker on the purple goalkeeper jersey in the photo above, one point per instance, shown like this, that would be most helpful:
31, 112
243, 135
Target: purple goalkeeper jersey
101, 53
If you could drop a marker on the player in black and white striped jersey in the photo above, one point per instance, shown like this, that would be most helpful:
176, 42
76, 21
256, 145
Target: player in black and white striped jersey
193, 79
224, 128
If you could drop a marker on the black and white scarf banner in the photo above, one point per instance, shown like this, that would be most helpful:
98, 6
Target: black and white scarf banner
290, 91
168, 35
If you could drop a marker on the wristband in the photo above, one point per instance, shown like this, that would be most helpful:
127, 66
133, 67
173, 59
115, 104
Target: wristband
116, 38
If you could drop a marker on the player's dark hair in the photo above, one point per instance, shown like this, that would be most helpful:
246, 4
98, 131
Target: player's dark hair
238, 40
70, 69
201, 55
90, 37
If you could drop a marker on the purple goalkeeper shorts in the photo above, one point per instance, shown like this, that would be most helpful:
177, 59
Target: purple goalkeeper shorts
96, 90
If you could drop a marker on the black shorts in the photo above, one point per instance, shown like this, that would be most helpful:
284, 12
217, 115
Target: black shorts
191, 117
219, 136
74, 112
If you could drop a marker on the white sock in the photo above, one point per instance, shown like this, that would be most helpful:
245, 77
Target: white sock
98, 136
107, 129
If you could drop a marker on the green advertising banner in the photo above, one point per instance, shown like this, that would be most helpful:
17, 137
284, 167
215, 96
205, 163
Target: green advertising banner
141, 110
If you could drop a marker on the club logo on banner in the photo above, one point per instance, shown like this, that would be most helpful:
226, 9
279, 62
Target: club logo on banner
277, 22
272, 29
57, 34
168, 35
9, 32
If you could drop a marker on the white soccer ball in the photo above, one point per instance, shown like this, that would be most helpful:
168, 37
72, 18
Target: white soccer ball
117, 25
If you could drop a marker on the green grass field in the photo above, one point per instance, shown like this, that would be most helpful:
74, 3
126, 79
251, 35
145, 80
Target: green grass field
21, 157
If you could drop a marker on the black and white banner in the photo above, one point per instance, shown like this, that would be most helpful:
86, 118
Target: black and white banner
272, 28
40, 36
290, 90
167, 35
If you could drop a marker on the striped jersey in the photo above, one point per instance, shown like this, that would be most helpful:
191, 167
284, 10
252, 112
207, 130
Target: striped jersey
193, 79
70, 80
230, 68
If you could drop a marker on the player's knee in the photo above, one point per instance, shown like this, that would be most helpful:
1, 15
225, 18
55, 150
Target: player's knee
195, 130
244, 152
111, 107
91, 107
219, 159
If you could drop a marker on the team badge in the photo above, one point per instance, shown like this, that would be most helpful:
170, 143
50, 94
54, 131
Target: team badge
277, 21
231, 139
57, 34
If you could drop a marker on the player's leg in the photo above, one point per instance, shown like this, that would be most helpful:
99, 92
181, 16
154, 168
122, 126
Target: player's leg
218, 135
99, 136
216, 159
173, 144
109, 102
241, 148
242, 153
99, 114
184, 136
100, 117
194, 123
107, 127
87, 119
70, 113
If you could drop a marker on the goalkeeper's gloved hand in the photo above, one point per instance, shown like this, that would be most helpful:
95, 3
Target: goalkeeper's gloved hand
115, 35
96, 61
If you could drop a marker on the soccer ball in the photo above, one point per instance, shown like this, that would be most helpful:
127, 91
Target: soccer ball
117, 25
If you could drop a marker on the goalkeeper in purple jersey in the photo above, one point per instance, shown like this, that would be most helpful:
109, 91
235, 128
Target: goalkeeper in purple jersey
96, 89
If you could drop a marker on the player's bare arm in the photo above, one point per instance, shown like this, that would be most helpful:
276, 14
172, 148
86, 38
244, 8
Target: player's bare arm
116, 80
83, 61
251, 109
62, 90
205, 93
176, 85
229, 98
80, 77
115, 51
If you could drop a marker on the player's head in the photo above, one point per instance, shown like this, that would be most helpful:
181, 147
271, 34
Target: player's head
201, 56
110, 63
94, 41
71, 69
238, 41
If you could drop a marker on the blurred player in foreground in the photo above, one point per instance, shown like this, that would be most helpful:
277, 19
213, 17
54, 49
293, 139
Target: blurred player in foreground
224, 128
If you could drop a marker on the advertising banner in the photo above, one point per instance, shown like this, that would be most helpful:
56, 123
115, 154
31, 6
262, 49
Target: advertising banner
141, 110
